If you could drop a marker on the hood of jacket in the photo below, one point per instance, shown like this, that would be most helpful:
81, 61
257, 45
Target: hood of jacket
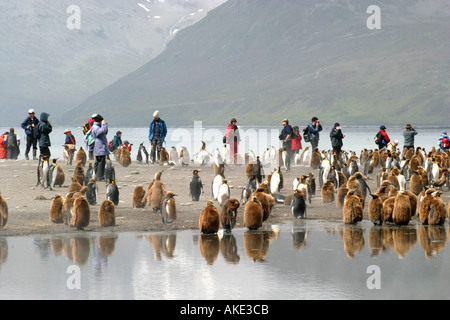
44, 116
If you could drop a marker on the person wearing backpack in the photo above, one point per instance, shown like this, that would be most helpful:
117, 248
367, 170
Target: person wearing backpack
314, 127
28, 125
336, 137
44, 129
12, 145
99, 132
3, 150
296, 140
86, 129
382, 138
286, 137
116, 141
444, 142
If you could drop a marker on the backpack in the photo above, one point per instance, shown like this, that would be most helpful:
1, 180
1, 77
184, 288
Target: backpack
295, 132
306, 135
37, 132
378, 138
445, 143
89, 138
86, 128
11, 142
111, 148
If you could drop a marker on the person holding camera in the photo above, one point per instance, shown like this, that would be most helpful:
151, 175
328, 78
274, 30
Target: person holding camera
314, 127
28, 125
408, 135
99, 132
336, 137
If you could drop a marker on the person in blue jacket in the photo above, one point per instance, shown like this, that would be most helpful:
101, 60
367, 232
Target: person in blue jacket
314, 128
157, 135
45, 128
28, 125
444, 142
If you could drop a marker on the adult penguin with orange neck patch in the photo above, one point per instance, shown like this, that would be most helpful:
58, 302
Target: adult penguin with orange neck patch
168, 208
196, 186
112, 192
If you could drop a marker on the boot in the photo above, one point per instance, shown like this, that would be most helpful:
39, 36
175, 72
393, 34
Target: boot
91, 155
26, 156
34, 155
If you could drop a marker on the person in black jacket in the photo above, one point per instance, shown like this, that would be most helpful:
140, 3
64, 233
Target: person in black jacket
28, 125
336, 136
45, 128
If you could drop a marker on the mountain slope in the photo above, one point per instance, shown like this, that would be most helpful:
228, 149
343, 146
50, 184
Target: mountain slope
48, 66
264, 60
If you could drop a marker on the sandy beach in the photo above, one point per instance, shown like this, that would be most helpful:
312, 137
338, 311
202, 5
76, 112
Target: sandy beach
29, 205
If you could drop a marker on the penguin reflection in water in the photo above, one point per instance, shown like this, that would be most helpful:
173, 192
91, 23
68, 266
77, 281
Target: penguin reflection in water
169, 208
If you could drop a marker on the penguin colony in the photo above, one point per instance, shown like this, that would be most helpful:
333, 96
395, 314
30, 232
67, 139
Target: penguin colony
409, 185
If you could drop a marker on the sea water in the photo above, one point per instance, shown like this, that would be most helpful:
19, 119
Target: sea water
256, 139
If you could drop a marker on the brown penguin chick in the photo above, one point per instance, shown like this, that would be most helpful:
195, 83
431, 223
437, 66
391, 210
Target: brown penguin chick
375, 209
340, 197
424, 206
413, 200
315, 159
424, 175
353, 184
139, 197
253, 214
56, 210
327, 191
415, 183
81, 157
401, 215
414, 163
3, 212
163, 156
388, 208
106, 214
156, 193
266, 201
80, 193
67, 207
78, 173
209, 220
60, 176
75, 185
228, 214
353, 209
81, 213
125, 157
437, 210
393, 180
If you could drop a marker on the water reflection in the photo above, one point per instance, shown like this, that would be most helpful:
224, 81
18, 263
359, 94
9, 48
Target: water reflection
299, 234
256, 244
3, 251
432, 239
398, 238
229, 248
353, 238
162, 244
209, 247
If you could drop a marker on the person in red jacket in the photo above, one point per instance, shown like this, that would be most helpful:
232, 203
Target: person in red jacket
232, 137
384, 142
297, 142
3, 150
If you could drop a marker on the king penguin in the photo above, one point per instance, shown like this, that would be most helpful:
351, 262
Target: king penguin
110, 173
168, 208
298, 205
228, 214
224, 193
112, 192
209, 220
89, 174
92, 192
196, 186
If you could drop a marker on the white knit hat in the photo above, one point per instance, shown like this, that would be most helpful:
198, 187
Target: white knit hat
156, 114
